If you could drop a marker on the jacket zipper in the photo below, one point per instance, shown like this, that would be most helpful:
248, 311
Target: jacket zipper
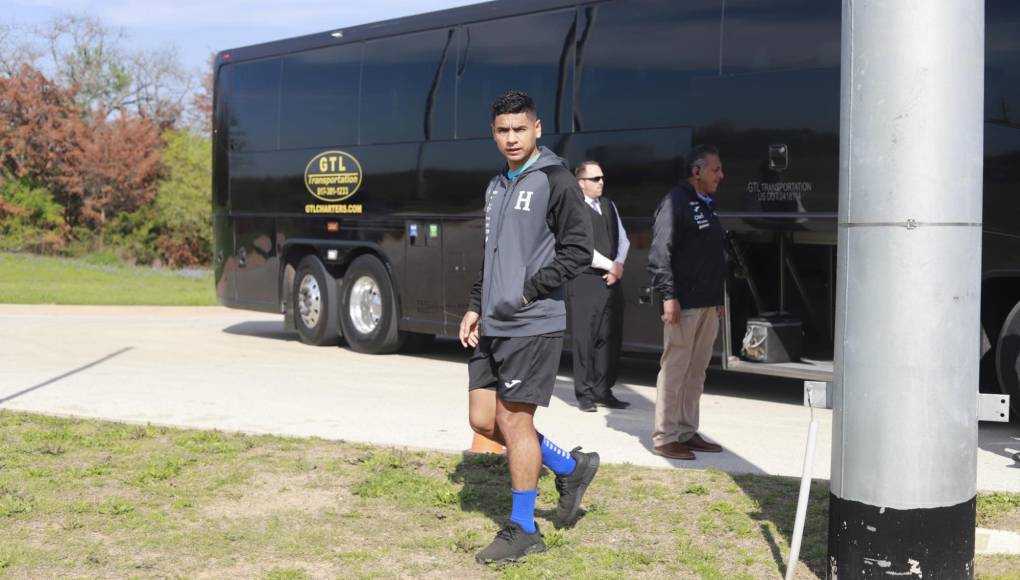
499, 229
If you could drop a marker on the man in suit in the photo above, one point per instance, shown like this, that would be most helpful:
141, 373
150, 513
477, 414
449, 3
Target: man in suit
595, 299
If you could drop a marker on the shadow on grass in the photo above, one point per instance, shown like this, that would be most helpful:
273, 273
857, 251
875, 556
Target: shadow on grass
485, 489
485, 485
776, 498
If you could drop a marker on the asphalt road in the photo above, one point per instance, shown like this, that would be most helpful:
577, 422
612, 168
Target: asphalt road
215, 368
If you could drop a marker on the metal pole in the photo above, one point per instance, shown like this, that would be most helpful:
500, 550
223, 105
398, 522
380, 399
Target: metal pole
802, 499
908, 290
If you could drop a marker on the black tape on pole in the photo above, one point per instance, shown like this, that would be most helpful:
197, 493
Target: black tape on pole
866, 541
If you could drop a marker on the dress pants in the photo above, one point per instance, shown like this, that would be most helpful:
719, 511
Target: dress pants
686, 352
595, 313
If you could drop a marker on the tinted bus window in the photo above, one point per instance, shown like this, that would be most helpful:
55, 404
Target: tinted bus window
320, 97
760, 35
1002, 62
220, 131
254, 104
530, 53
405, 93
638, 61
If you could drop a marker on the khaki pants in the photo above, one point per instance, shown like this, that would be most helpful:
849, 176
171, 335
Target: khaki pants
686, 351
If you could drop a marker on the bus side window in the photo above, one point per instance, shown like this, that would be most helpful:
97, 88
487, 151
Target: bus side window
254, 104
407, 87
320, 97
523, 53
639, 62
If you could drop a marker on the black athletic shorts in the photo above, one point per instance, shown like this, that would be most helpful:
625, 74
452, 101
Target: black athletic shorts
522, 369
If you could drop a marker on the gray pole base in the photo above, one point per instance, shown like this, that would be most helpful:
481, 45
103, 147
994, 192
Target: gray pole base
871, 542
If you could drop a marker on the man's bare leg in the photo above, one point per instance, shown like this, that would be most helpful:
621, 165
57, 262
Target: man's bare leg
482, 414
516, 421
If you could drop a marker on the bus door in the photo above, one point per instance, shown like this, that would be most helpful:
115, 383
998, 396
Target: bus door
257, 261
423, 276
462, 262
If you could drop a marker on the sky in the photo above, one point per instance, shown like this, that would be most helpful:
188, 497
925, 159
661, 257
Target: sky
198, 28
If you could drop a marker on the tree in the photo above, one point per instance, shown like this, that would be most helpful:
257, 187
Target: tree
85, 53
113, 167
39, 126
183, 206
202, 101
15, 50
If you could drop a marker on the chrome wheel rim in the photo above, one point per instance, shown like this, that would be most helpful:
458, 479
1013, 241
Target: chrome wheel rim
309, 301
365, 305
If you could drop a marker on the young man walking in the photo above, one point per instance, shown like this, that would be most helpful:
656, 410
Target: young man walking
537, 236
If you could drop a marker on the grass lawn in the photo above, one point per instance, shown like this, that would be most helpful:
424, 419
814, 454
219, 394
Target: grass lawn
98, 499
27, 279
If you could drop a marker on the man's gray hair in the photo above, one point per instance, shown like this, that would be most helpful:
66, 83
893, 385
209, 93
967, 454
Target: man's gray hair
583, 166
698, 157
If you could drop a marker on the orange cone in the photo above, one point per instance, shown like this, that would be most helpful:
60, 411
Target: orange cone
482, 444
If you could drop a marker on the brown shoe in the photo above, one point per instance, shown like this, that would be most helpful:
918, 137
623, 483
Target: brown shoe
674, 450
698, 443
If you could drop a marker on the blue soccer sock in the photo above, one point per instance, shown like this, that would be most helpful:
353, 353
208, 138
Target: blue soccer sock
557, 460
523, 513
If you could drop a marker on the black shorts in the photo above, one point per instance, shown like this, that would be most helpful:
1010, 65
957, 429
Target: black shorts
522, 369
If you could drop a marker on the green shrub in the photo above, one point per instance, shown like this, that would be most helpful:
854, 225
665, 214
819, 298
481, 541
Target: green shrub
134, 235
176, 228
183, 203
37, 222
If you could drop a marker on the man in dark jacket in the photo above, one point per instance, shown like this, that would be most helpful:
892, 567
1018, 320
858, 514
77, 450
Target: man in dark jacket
688, 270
595, 299
537, 236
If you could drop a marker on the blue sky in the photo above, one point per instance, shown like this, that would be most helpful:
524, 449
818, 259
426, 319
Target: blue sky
198, 27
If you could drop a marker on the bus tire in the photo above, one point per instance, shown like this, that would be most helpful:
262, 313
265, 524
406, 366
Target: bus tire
1007, 358
314, 303
368, 308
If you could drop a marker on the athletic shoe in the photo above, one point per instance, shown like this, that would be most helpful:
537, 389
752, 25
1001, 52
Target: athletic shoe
572, 486
511, 544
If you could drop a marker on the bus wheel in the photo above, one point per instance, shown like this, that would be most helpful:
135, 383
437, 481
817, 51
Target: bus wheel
314, 303
1007, 358
368, 308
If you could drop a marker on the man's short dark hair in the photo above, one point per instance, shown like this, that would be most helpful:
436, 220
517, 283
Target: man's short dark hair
583, 166
697, 156
513, 102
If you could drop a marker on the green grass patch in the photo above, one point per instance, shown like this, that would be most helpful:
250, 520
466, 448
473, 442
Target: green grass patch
999, 510
124, 501
27, 279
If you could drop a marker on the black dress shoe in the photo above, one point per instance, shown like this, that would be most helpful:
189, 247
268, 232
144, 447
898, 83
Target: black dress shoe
612, 403
586, 406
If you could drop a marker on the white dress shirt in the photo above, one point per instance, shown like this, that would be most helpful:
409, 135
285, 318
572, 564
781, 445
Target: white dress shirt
598, 260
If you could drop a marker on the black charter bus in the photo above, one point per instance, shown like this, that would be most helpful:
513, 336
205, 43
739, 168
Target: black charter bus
349, 166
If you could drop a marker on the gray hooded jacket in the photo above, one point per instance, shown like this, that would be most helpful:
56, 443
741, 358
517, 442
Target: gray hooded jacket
538, 235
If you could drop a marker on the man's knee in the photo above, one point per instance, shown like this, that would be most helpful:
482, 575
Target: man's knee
510, 417
483, 423
482, 411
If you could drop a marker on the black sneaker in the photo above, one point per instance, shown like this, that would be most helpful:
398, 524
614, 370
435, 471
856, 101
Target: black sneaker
572, 487
611, 402
511, 544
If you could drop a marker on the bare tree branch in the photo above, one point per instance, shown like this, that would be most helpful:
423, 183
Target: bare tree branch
16, 50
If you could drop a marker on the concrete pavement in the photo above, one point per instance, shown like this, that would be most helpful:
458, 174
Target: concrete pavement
215, 368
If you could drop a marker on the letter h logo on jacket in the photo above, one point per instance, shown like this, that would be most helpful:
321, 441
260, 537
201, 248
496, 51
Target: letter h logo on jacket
524, 200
